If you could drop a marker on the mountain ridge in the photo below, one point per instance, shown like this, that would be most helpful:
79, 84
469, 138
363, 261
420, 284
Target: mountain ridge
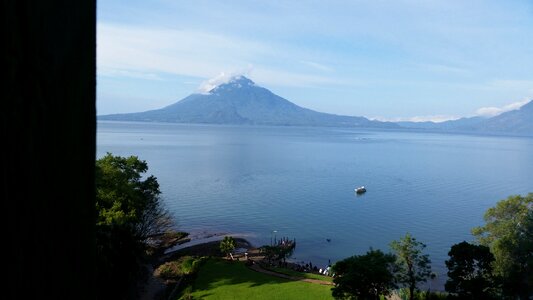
240, 101
512, 122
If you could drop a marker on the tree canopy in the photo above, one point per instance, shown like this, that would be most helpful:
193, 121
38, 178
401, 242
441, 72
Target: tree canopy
227, 245
413, 265
129, 213
123, 198
470, 272
508, 232
364, 276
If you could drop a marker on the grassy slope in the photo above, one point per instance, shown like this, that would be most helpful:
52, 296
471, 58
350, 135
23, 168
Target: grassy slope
219, 279
301, 274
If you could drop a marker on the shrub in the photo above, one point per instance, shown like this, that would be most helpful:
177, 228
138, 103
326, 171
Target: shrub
185, 265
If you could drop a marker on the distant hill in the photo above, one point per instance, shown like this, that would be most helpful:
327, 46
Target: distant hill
241, 101
447, 125
512, 122
516, 122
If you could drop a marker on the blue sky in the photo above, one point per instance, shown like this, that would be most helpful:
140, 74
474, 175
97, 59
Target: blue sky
390, 60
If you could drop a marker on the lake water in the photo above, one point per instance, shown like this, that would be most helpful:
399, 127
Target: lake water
298, 182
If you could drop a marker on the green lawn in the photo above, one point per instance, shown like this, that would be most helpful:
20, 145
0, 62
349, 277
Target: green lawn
301, 274
219, 279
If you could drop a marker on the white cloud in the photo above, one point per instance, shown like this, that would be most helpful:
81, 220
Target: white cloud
439, 68
489, 111
278, 77
125, 73
430, 118
180, 52
523, 84
127, 50
492, 111
316, 65
222, 78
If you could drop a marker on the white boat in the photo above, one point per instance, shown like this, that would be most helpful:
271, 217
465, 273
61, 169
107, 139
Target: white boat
360, 189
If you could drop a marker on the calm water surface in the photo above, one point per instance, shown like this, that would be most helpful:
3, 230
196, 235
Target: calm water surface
267, 182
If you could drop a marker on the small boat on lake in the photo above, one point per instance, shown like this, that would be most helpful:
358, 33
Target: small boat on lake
360, 190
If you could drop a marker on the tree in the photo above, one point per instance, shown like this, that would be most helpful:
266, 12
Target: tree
129, 213
508, 232
470, 271
124, 199
281, 251
227, 245
413, 266
364, 276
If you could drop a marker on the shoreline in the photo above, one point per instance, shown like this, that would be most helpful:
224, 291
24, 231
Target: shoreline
206, 239
207, 247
